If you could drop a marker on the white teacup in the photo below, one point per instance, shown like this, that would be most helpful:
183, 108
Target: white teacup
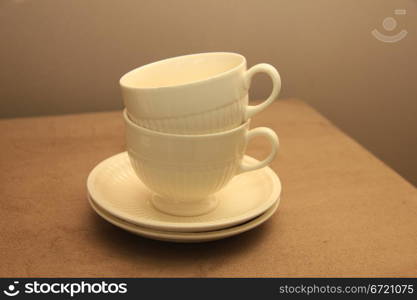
194, 94
184, 171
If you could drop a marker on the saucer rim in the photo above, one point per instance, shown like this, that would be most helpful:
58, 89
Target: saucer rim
186, 227
185, 237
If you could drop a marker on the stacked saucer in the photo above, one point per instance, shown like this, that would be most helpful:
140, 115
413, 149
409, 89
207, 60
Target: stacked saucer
117, 195
185, 177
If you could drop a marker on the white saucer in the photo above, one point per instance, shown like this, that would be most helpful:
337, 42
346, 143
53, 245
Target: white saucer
115, 188
185, 237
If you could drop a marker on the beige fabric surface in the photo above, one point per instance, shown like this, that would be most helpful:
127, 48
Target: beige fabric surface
343, 212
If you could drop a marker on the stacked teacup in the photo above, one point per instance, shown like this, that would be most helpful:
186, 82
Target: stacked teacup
187, 127
187, 123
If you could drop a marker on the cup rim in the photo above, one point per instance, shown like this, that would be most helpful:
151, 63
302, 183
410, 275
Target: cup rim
123, 84
130, 123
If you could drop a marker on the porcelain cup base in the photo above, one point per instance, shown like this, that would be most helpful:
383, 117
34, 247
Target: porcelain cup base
195, 207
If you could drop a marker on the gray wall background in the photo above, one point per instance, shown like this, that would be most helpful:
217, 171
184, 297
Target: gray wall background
66, 56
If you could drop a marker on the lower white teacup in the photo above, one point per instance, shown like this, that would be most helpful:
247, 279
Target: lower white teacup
185, 171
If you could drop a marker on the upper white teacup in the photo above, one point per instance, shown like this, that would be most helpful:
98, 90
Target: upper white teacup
194, 94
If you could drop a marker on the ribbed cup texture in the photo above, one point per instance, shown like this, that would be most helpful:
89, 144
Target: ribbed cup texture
219, 119
184, 182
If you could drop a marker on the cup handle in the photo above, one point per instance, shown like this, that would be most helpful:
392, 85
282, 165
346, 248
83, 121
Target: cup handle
276, 87
273, 139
